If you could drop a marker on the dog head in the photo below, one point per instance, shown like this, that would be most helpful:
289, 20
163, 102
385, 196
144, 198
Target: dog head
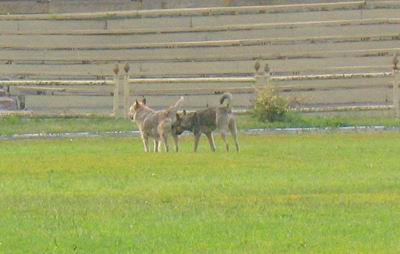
184, 122
135, 107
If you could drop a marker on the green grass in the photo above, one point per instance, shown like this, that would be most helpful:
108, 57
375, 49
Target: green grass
19, 125
337, 193
294, 120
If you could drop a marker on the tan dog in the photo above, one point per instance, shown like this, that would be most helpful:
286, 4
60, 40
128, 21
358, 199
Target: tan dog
157, 125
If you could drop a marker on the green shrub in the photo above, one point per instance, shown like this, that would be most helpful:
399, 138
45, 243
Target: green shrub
270, 106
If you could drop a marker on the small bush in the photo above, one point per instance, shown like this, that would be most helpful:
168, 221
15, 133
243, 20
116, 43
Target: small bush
270, 106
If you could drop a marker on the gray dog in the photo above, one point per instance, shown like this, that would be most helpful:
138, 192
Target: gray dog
208, 120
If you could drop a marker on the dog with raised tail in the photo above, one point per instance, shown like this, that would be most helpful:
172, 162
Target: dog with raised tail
157, 125
206, 121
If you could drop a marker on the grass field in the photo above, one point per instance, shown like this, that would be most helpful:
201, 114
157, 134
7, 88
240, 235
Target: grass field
337, 193
20, 125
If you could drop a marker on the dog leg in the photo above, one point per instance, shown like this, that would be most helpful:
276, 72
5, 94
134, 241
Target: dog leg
156, 145
233, 129
176, 141
145, 140
196, 141
223, 136
165, 140
211, 141
159, 143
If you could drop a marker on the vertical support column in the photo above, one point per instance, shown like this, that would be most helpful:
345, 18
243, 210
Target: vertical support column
126, 91
396, 81
117, 90
20, 102
262, 76
267, 72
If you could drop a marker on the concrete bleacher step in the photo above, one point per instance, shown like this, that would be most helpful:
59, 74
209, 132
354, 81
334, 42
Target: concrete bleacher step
8, 103
210, 43
78, 6
98, 71
38, 26
372, 28
198, 53
193, 18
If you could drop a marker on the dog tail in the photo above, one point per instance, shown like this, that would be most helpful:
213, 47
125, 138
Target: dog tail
179, 103
228, 98
171, 111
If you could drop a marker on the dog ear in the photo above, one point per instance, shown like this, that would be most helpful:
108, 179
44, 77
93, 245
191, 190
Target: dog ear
144, 101
184, 112
135, 106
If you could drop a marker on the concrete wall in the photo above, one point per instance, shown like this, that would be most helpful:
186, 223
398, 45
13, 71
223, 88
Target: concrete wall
170, 4
70, 6
23, 6
89, 48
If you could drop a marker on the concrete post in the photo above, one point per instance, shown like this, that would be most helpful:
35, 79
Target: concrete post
262, 76
20, 102
396, 83
126, 91
117, 90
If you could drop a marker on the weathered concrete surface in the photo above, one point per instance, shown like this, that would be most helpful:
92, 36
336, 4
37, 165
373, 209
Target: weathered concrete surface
282, 58
71, 6
7, 103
